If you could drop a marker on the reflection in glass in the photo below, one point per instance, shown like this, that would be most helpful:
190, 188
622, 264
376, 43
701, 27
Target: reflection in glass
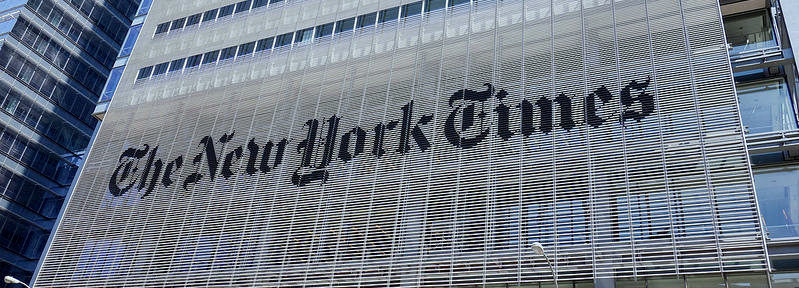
785, 280
749, 31
778, 196
747, 280
766, 107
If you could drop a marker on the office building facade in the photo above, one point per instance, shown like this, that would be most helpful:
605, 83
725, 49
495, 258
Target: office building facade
55, 57
399, 143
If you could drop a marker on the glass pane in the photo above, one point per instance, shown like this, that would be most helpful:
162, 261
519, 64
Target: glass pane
431, 5
785, 280
747, 280
111, 86
345, 25
127, 46
177, 24
389, 14
641, 283
749, 31
242, 6
227, 10
176, 65
457, 2
283, 40
778, 196
665, 283
209, 15
708, 281
193, 19
411, 9
324, 30
367, 20
766, 107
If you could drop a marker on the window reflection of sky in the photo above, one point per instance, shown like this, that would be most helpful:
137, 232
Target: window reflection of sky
778, 196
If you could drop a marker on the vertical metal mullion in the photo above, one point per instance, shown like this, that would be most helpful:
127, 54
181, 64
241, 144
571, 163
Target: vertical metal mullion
660, 136
588, 142
624, 143
552, 92
491, 191
695, 96
322, 190
397, 227
523, 77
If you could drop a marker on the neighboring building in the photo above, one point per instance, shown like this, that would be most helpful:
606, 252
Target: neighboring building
55, 57
760, 34
388, 143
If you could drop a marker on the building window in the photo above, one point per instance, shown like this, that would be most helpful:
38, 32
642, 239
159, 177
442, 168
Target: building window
284, 40
162, 28
304, 35
177, 24
367, 20
411, 9
432, 5
145, 72
127, 46
749, 31
457, 2
226, 11
259, 3
193, 19
345, 25
193, 61
389, 15
778, 196
242, 6
246, 48
766, 106
324, 30
264, 44
210, 57
209, 15
111, 86
160, 68
176, 65
228, 53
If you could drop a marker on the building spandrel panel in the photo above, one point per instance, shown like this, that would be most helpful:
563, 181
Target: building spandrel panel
428, 152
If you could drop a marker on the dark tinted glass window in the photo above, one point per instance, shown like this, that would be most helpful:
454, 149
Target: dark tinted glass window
246, 48
228, 53
389, 14
193, 60
367, 20
242, 6
145, 72
431, 5
302, 35
283, 40
160, 68
345, 25
177, 24
226, 11
324, 30
264, 44
259, 3
193, 19
210, 57
457, 2
275, 1
209, 15
161, 28
411, 9
176, 65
